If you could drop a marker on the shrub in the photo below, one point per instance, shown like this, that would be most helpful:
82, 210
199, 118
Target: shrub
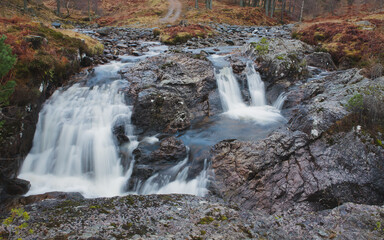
369, 106
5, 93
7, 59
17, 223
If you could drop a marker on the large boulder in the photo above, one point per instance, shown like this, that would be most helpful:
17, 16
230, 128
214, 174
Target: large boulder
315, 163
280, 58
321, 60
160, 112
153, 158
14, 186
286, 171
171, 149
169, 91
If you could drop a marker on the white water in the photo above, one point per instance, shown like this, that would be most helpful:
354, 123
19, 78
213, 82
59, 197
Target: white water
231, 99
255, 86
174, 180
74, 149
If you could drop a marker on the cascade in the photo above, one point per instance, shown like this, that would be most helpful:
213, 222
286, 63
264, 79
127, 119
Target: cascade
75, 150
74, 147
230, 95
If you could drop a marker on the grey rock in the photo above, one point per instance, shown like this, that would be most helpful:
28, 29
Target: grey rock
184, 84
36, 41
321, 60
56, 24
188, 217
105, 31
282, 59
160, 112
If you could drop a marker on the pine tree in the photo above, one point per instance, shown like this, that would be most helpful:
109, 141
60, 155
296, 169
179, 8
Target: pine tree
7, 59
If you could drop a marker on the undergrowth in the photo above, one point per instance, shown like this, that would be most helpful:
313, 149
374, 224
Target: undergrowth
349, 44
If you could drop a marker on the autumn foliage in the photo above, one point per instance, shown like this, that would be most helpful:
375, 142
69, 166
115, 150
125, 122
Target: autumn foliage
349, 44
180, 34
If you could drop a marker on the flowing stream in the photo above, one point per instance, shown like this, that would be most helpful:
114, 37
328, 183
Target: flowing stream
75, 150
233, 104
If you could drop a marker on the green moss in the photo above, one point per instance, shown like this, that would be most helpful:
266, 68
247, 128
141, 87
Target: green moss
379, 143
206, 220
261, 47
202, 232
295, 35
129, 200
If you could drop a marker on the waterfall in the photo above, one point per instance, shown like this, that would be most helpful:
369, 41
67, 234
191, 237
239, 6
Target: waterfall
229, 89
231, 99
280, 101
174, 180
255, 86
74, 147
75, 150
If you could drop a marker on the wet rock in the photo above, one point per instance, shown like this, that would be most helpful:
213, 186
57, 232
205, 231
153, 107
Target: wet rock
137, 53
14, 186
305, 166
86, 61
321, 60
160, 112
171, 149
230, 42
176, 85
287, 171
280, 58
119, 133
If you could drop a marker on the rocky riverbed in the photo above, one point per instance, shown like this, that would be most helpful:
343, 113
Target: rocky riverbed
309, 178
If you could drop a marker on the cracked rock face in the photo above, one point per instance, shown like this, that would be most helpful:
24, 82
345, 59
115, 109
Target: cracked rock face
287, 170
305, 165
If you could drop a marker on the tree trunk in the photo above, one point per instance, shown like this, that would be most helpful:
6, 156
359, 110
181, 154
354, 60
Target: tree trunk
209, 4
282, 9
89, 10
58, 7
302, 9
25, 5
267, 2
197, 4
273, 7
